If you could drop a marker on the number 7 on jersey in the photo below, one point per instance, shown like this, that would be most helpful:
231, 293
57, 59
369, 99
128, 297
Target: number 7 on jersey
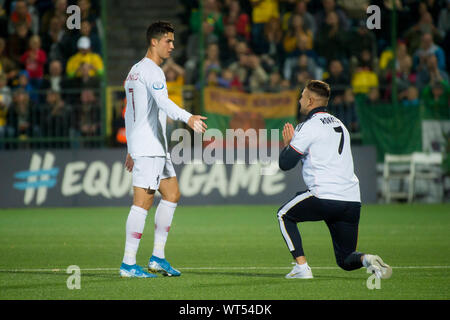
341, 143
131, 91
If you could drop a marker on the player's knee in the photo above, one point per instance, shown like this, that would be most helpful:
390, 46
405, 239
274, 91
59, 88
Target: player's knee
342, 264
173, 196
142, 204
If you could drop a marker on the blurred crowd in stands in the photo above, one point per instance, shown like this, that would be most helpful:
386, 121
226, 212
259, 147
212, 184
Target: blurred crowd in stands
50, 75
270, 46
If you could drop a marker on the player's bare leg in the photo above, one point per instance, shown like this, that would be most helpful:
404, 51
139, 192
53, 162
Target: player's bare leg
143, 198
163, 220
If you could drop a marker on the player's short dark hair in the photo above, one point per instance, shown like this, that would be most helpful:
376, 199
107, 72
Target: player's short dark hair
322, 89
158, 29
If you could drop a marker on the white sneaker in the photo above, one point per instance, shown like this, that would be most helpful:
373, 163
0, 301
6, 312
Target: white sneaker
300, 272
379, 267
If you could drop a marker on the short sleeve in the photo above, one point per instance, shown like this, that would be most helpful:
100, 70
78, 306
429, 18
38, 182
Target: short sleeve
303, 137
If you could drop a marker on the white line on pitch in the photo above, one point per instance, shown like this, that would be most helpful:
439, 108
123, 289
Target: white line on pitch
211, 268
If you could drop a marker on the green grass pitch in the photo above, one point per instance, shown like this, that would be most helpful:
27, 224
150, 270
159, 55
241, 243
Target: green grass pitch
223, 252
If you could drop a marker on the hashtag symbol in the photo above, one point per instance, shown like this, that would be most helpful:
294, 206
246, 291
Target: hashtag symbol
40, 176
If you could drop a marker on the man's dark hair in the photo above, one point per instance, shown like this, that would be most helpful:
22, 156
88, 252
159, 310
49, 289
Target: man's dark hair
157, 30
322, 89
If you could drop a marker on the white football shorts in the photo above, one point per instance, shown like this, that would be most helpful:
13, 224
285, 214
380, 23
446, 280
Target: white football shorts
149, 171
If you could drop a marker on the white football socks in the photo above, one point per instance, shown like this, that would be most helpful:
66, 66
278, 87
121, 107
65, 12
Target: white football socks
163, 220
134, 228
303, 266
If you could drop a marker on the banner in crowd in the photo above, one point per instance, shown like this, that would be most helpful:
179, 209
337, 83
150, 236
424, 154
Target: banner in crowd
228, 109
98, 178
391, 129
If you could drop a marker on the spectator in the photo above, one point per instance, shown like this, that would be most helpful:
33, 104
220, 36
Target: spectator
212, 76
241, 68
327, 7
5, 91
5, 103
20, 15
415, 35
411, 98
444, 20
262, 12
373, 96
86, 30
293, 59
7, 66
59, 11
364, 60
55, 80
435, 97
211, 16
87, 120
430, 72
355, 10
301, 79
433, 7
57, 120
4, 21
428, 47
34, 13
84, 81
175, 80
23, 82
52, 41
229, 80
18, 42
331, 40
299, 64
362, 39
274, 84
34, 60
84, 55
301, 10
192, 50
348, 111
363, 80
446, 48
386, 59
405, 78
339, 80
239, 19
227, 45
403, 21
285, 85
212, 57
272, 41
23, 118
297, 33
88, 13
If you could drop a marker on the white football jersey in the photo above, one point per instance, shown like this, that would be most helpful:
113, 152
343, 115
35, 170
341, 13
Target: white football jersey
328, 171
148, 106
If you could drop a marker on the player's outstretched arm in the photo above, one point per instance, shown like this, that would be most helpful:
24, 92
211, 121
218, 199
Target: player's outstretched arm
196, 123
